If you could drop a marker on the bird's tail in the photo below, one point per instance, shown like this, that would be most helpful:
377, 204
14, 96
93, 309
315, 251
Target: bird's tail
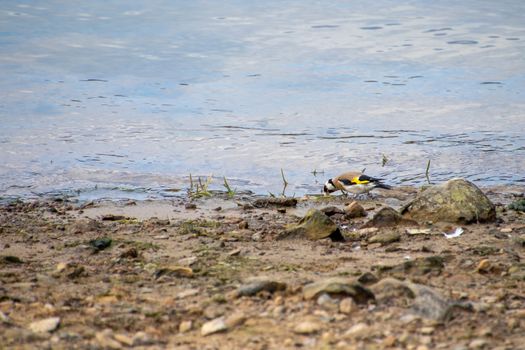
382, 185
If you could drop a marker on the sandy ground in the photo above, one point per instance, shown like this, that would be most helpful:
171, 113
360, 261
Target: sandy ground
172, 272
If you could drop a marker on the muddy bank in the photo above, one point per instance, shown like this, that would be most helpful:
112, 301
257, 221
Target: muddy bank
211, 273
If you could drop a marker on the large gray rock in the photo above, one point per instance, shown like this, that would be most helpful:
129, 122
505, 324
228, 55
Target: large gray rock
314, 225
456, 201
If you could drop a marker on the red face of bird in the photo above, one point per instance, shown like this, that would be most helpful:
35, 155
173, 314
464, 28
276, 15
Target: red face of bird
329, 187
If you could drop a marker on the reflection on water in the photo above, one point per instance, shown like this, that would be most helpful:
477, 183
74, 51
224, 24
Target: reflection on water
128, 99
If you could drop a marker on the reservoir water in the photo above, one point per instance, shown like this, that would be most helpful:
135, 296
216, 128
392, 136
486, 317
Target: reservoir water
127, 98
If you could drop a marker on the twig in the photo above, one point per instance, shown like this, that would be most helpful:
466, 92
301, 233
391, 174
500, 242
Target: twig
285, 183
426, 172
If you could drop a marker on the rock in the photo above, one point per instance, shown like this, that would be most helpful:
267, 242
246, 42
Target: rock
354, 210
259, 284
243, 225
113, 217
174, 271
234, 252
275, 201
327, 301
106, 341
426, 302
385, 238
307, 327
347, 306
185, 326
478, 344
10, 259
331, 210
124, 339
367, 278
46, 325
359, 331
418, 266
214, 326
190, 206
338, 286
484, 266
100, 243
388, 217
456, 201
314, 225
236, 319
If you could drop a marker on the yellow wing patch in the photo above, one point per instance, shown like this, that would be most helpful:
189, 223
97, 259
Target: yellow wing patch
356, 181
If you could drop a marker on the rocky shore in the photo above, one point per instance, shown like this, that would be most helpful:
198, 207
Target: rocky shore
435, 268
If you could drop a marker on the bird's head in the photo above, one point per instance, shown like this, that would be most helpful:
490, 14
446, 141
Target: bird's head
329, 187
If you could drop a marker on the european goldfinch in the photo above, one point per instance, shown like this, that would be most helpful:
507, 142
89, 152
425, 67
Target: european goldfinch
354, 182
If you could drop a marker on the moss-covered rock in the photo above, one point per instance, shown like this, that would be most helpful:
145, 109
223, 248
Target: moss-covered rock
456, 201
314, 225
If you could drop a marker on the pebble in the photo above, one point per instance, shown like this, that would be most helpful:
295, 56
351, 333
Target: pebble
45, 325
214, 326
124, 339
106, 340
427, 330
359, 330
389, 341
326, 301
484, 266
235, 319
478, 344
347, 306
354, 210
185, 326
307, 327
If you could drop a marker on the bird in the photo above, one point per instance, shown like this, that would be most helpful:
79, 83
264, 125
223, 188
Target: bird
354, 182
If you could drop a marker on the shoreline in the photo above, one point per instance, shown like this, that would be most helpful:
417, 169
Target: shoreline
213, 273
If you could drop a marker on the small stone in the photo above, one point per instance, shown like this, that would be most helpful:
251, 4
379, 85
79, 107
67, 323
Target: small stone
174, 271
389, 341
338, 286
259, 284
307, 327
427, 330
422, 347
124, 339
385, 238
61, 266
214, 326
142, 338
187, 293
347, 306
243, 225
326, 301
506, 230
354, 210
484, 266
358, 331
388, 217
190, 206
106, 340
188, 261
236, 319
185, 326
47, 325
234, 252
478, 344
331, 210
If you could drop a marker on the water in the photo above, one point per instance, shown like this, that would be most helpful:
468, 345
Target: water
126, 99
